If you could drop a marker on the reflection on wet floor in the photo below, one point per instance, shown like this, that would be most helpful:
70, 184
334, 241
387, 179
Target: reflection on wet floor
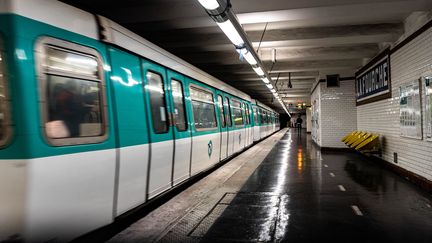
295, 195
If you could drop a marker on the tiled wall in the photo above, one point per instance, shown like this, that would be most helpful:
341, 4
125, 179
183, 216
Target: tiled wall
337, 113
308, 120
315, 115
407, 64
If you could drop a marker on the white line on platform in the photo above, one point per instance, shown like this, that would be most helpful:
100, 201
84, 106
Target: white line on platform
356, 210
325, 165
332, 174
342, 188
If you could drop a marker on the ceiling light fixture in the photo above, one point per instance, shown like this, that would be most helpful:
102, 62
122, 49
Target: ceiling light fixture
259, 71
220, 11
248, 56
230, 31
209, 4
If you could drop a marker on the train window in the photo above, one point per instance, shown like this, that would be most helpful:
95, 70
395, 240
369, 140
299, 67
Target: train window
247, 114
203, 109
262, 116
72, 93
179, 107
5, 128
228, 117
155, 88
221, 111
237, 112
255, 111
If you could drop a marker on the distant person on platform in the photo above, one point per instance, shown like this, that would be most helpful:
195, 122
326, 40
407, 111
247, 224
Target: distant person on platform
299, 123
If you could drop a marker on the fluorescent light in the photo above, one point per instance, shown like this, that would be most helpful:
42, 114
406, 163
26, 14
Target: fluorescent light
230, 31
273, 90
209, 4
270, 86
265, 80
248, 56
259, 71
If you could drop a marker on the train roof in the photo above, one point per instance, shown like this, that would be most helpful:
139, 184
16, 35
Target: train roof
54, 13
81, 22
120, 36
262, 105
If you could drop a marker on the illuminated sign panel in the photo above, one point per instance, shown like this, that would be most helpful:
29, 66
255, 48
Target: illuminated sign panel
373, 81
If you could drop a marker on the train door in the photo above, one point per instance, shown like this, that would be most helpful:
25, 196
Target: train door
180, 117
262, 123
230, 126
132, 130
160, 131
238, 132
250, 125
223, 126
205, 132
247, 124
256, 125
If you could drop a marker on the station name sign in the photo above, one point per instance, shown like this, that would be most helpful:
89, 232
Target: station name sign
373, 80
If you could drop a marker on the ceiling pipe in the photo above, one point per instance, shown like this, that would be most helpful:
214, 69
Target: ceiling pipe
220, 11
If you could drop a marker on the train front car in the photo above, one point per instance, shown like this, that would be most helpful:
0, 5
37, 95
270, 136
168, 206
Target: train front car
57, 166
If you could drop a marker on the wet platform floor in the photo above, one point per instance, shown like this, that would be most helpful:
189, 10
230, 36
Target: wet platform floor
301, 194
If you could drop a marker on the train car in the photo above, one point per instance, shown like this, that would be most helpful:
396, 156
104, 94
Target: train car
266, 122
96, 121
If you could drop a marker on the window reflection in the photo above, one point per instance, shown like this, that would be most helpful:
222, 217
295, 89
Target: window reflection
179, 108
228, 117
203, 109
299, 159
155, 88
73, 94
4, 103
71, 62
237, 112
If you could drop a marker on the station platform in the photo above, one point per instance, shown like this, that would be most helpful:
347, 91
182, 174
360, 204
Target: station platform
285, 189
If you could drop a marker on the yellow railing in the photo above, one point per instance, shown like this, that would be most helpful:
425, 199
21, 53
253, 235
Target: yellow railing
362, 141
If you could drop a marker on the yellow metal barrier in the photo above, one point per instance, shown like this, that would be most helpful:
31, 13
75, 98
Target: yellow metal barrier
369, 145
363, 142
348, 136
352, 136
360, 140
355, 138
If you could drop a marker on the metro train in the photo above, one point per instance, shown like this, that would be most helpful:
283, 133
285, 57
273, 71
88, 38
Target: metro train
96, 121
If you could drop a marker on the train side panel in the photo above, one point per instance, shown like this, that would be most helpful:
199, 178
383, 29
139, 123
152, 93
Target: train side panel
132, 130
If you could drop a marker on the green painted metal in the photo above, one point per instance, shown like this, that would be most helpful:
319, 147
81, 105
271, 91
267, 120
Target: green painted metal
128, 100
